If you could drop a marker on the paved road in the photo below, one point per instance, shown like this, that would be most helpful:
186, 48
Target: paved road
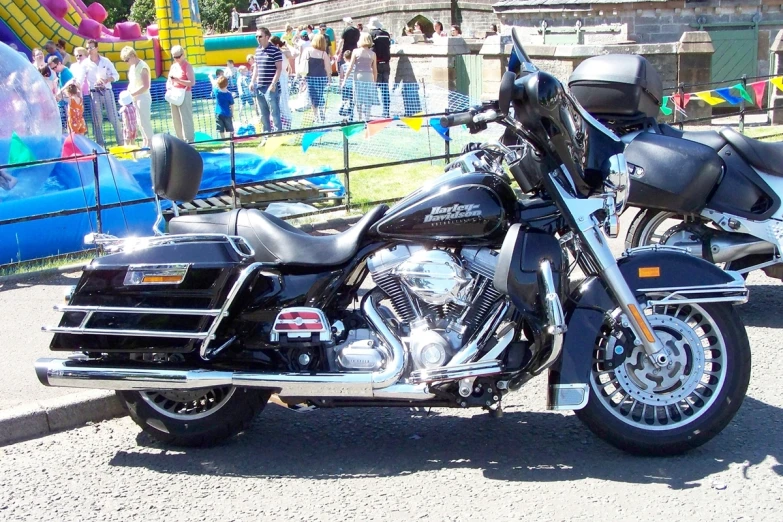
397, 464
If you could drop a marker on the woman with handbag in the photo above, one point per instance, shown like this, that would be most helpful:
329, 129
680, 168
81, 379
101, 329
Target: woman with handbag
179, 94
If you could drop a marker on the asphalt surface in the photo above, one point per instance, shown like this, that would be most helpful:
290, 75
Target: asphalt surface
392, 464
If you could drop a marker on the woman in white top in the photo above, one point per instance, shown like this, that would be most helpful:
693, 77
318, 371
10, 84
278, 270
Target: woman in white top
139, 87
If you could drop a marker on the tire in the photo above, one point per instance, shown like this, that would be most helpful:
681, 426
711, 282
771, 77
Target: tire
638, 233
671, 419
194, 418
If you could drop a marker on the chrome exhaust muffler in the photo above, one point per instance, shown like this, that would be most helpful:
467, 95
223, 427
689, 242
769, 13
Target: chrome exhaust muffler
76, 374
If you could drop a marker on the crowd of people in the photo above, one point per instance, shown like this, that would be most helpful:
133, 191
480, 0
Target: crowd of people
301, 60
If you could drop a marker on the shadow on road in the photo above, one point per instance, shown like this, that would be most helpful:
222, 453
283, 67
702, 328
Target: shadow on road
58, 279
522, 446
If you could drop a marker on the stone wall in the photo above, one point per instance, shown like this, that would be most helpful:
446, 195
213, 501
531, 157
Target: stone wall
474, 17
651, 22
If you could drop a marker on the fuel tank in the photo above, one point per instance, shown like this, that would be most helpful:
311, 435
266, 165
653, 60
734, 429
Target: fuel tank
473, 208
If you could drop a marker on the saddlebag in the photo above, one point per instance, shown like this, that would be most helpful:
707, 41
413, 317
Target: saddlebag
670, 173
165, 297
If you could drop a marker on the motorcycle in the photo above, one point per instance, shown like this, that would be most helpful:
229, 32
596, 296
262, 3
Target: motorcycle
471, 298
716, 194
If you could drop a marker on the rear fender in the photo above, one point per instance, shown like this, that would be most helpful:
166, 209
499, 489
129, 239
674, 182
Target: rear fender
680, 276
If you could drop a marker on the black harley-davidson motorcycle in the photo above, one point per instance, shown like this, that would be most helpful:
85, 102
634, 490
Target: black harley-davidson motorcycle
471, 298
716, 194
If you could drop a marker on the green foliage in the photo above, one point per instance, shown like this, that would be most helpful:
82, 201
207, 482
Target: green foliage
216, 14
143, 12
116, 10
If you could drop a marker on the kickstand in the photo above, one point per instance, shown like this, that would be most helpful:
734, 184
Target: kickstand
496, 410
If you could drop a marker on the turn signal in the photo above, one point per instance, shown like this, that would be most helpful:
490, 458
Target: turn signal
171, 274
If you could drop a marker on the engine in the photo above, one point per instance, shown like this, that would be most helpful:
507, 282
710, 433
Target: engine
439, 300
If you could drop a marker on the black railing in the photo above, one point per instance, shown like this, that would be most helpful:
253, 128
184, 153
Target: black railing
98, 207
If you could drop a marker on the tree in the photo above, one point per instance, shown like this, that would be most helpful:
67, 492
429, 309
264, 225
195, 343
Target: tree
216, 14
143, 12
116, 10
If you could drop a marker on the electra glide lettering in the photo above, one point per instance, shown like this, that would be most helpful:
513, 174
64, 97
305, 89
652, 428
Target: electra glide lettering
471, 298
716, 194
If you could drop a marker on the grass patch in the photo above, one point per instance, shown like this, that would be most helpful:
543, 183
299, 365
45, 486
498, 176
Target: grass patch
766, 133
365, 185
37, 265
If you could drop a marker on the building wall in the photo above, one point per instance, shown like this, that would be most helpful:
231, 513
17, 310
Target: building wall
659, 22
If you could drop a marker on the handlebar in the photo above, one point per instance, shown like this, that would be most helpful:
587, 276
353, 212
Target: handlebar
467, 118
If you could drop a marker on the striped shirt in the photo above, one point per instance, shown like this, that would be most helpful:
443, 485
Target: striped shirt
266, 59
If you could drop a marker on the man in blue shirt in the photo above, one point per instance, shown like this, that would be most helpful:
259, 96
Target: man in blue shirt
64, 77
269, 66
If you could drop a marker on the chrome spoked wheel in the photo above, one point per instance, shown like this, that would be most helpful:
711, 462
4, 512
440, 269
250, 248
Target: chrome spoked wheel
639, 394
188, 404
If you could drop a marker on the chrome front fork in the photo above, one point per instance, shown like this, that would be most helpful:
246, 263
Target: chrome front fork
592, 239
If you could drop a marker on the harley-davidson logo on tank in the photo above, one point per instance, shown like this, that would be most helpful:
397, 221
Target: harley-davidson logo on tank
472, 209
453, 212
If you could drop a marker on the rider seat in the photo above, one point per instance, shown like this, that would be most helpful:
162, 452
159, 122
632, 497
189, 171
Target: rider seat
767, 157
276, 241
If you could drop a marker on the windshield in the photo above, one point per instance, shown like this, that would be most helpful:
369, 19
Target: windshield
545, 107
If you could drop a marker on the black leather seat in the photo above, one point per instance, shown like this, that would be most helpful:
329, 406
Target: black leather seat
767, 157
276, 241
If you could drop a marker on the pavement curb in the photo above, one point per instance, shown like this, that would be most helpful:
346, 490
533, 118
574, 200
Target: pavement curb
42, 418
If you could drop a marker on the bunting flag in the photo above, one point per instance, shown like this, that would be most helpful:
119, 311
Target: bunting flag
274, 143
745, 94
442, 131
777, 82
758, 90
311, 137
123, 151
705, 96
414, 122
18, 152
664, 109
352, 130
376, 126
680, 104
726, 95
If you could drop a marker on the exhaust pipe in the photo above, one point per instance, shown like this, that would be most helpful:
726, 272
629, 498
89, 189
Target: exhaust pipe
73, 374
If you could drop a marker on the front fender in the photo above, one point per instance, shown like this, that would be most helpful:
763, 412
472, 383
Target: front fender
587, 304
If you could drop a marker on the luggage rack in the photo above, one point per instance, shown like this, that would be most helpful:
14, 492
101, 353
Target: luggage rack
218, 314
257, 195
115, 244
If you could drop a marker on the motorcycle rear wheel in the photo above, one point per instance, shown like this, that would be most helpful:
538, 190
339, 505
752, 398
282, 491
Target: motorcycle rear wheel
194, 418
660, 412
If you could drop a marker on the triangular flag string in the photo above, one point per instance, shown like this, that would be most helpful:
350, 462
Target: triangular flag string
758, 91
664, 109
745, 94
274, 143
352, 130
442, 131
777, 82
311, 137
708, 98
414, 122
726, 95
376, 126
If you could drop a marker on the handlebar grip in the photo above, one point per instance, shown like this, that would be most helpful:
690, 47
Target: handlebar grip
455, 120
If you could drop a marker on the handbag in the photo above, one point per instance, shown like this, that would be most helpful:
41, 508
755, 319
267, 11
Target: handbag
175, 96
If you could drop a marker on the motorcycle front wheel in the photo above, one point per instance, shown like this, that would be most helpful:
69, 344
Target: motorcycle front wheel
194, 418
653, 411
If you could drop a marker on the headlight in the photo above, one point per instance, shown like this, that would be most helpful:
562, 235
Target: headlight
618, 180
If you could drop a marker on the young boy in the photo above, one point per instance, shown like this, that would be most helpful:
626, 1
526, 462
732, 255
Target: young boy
224, 108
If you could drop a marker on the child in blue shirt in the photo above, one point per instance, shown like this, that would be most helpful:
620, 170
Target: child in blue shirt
224, 108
